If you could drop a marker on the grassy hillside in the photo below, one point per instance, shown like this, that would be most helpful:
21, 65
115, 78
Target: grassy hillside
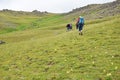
51, 53
18, 21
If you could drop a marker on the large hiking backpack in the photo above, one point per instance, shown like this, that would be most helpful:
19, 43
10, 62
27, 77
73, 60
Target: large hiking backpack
81, 20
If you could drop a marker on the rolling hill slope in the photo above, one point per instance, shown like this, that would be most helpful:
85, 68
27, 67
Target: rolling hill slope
59, 55
37, 47
19, 20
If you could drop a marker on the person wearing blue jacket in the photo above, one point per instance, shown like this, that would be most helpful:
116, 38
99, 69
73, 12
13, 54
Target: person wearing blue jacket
80, 25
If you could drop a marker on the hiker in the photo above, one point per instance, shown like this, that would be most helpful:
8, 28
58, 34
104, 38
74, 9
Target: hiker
80, 25
77, 23
69, 27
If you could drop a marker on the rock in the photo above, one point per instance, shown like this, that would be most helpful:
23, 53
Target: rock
2, 42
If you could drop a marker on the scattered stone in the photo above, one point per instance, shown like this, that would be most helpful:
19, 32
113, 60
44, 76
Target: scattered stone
2, 42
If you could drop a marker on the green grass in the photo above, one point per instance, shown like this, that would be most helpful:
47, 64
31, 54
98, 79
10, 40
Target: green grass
10, 23
51, 53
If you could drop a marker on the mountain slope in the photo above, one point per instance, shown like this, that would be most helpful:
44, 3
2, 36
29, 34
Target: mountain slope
42, 49
15, 21
97, 10
60, 55
19, 20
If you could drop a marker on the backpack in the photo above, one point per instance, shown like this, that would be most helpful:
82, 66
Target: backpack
81, 20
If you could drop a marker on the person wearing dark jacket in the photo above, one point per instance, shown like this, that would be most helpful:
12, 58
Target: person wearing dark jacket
69, 27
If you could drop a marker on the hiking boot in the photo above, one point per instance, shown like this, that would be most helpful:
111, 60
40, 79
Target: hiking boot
81, 33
